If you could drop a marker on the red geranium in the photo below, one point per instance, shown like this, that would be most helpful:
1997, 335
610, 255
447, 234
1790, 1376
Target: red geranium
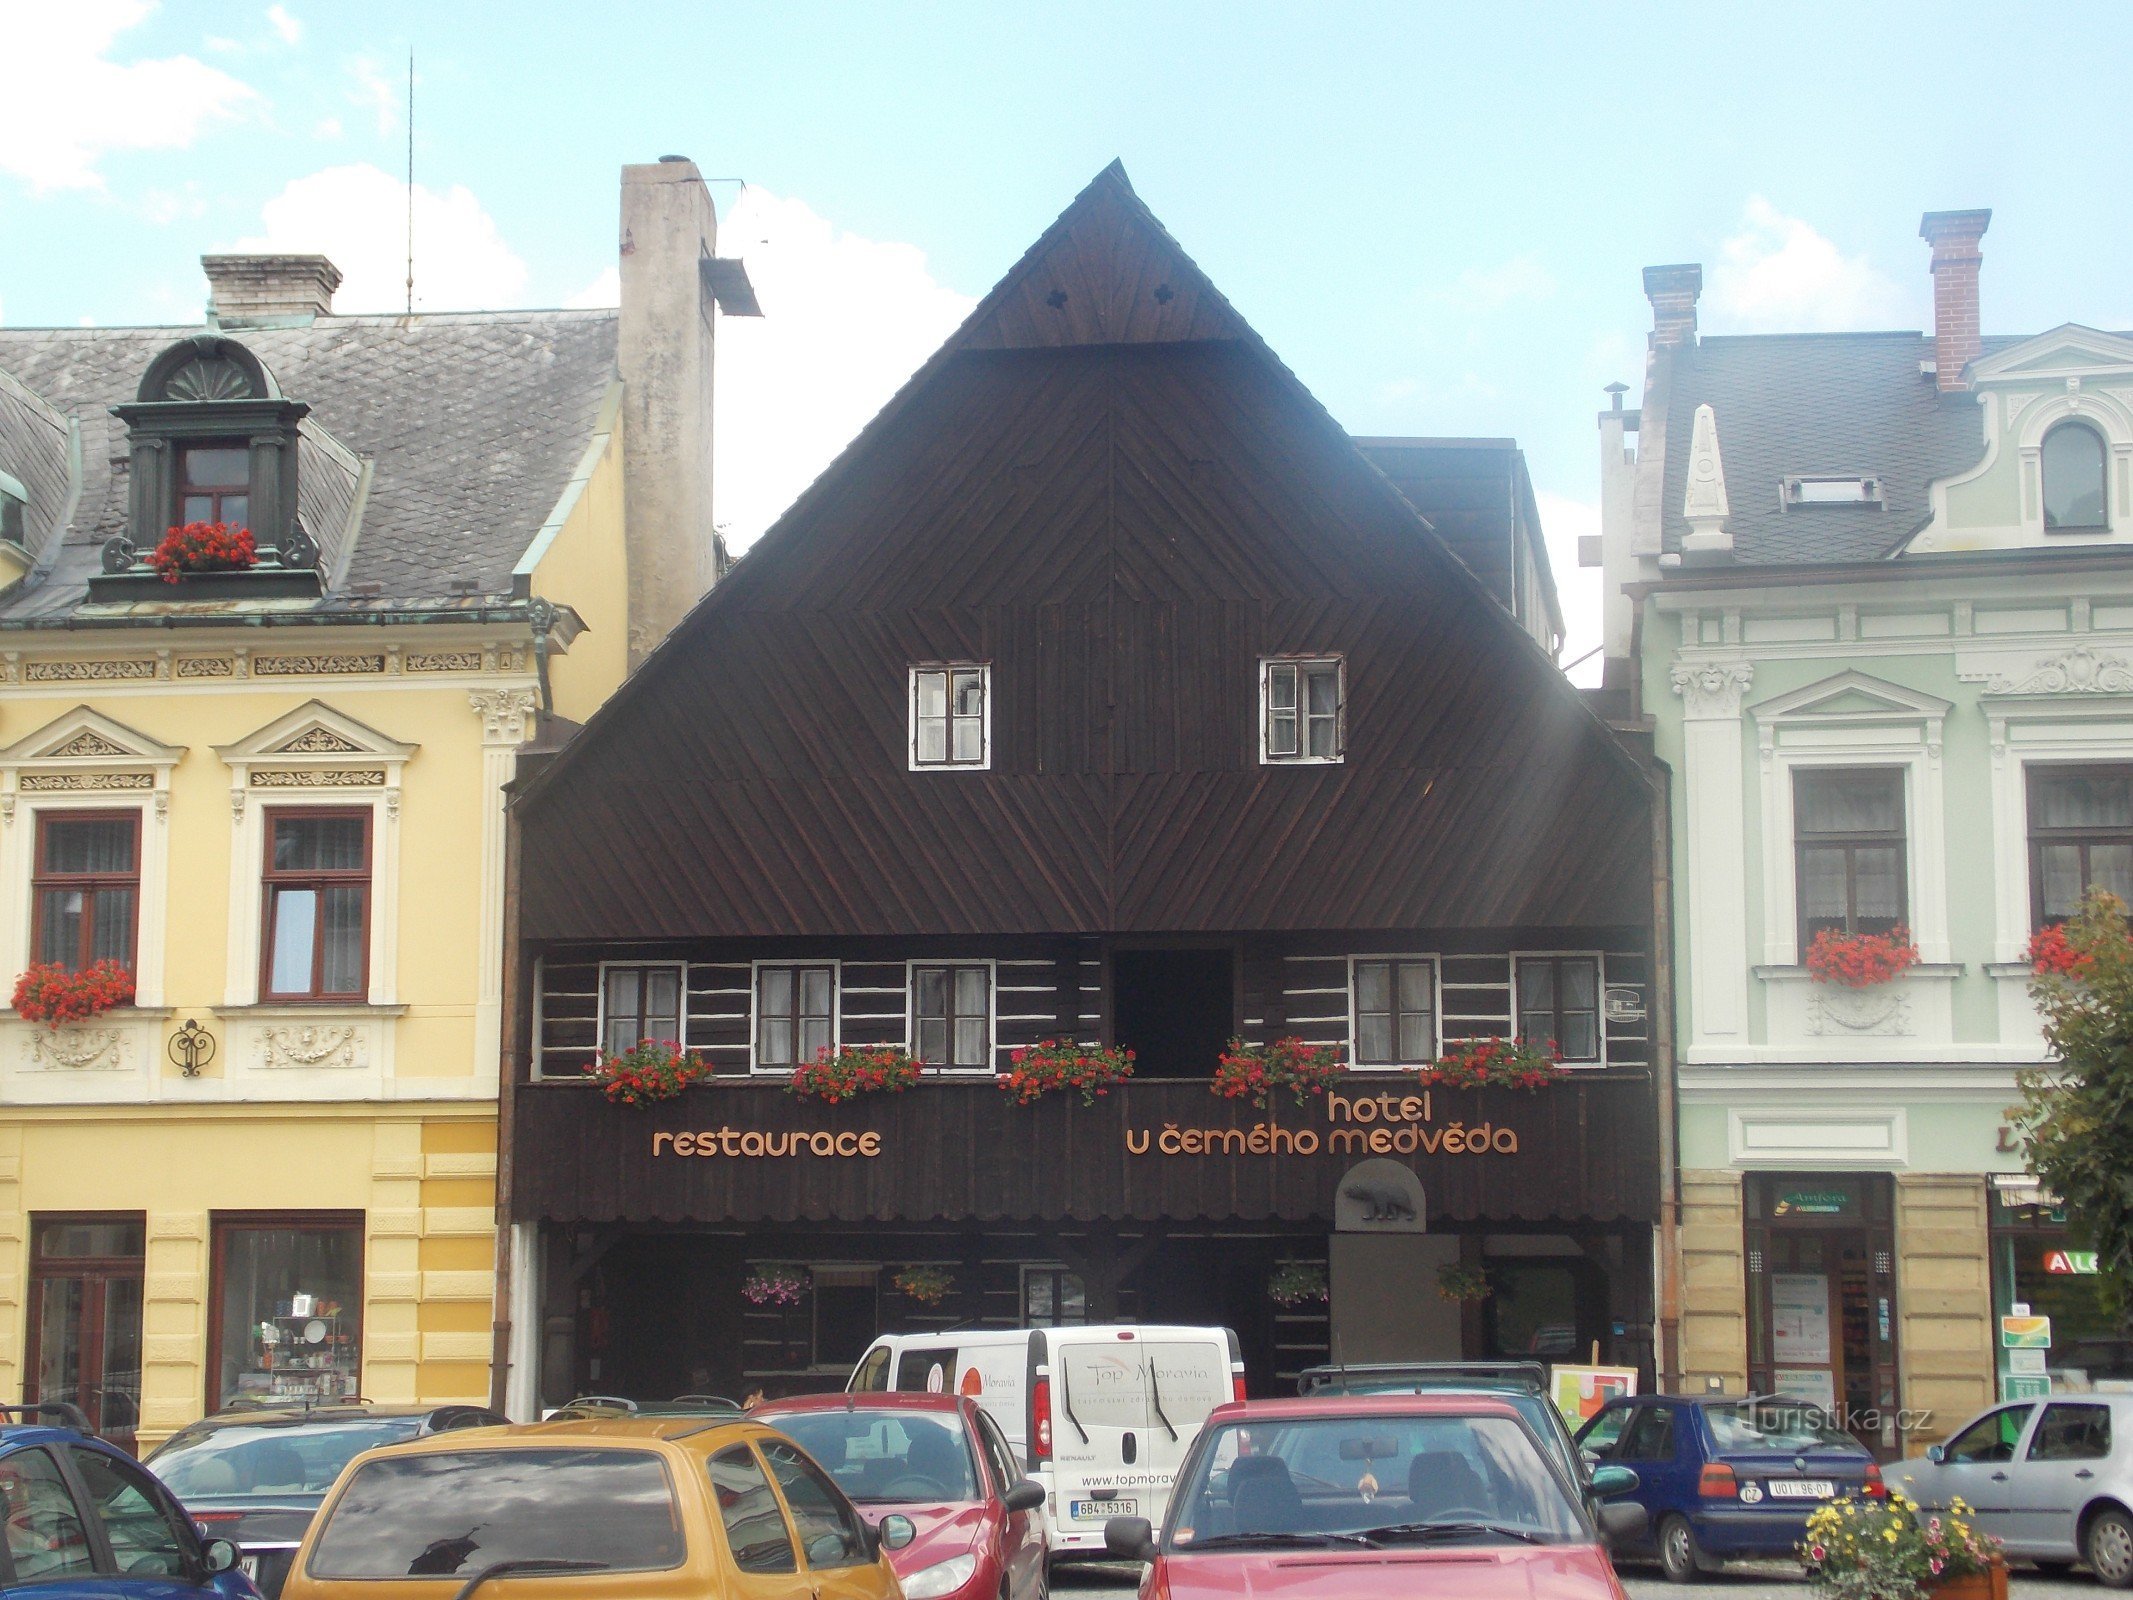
203, 547
1860, 960
650, 1070
1259, 1071
1514, 1063
1090, 1070
52, 994
836, 1075
2050, 951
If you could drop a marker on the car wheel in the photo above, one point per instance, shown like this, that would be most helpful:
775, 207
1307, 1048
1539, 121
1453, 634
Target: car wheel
1679, 1557
2108, 1546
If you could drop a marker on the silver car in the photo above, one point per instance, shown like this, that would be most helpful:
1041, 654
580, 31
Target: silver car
2052, 1478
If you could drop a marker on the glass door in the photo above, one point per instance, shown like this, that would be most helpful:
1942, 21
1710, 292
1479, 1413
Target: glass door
85, 1318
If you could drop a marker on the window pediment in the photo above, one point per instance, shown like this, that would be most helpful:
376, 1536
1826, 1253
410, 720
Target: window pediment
315, 748
1852, 697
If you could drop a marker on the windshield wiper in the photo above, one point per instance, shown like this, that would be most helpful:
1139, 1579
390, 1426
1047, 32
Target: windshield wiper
1435, 1530
1155, 1397
508, 1569
1317, 1540
1066, 1404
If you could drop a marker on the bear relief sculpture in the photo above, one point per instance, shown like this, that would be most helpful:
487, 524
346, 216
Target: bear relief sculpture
1380, 1195
1379, 1202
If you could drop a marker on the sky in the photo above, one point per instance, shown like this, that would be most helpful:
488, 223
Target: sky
1436, 214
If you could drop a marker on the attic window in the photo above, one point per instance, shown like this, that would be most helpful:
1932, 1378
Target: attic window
14, 501
1819, 491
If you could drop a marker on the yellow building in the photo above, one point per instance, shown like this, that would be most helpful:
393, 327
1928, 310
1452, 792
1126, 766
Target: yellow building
274, 795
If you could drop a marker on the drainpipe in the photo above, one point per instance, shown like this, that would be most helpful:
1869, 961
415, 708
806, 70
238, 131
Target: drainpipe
515, 1046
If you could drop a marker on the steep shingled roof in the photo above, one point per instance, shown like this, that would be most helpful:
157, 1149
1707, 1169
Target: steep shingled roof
472, 424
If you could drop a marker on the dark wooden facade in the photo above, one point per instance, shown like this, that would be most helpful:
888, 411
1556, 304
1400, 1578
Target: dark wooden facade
1109, 490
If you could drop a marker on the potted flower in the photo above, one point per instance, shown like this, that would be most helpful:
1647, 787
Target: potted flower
1860, 960
929, 1286
850, 1071
1883, 1549
1259, 1071
647, 1072
1088, 1070
202, 547
1296, 1283
1462, 1284
54, 995
2052, 954
781, 1287
1514, 1063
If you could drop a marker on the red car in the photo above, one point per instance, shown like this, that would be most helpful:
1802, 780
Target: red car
1316, 1499
939, 1461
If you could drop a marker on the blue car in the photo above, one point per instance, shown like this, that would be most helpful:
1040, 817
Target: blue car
1725, 1478
85, 1521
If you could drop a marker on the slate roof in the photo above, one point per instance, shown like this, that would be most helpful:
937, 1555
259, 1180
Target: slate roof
472, 424
1814, 403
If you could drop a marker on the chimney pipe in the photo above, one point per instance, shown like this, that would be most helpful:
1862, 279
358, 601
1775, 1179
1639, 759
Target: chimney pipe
246, 291
1673, 291
1957, 335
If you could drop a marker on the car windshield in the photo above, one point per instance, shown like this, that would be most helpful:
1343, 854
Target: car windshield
1381, 1479
1765, 1425
886, 1455
271, 1458
451, 1513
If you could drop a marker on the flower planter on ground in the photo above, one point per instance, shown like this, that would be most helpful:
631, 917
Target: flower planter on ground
1088, 1070
1260, 1071
1888, 1549
52, 994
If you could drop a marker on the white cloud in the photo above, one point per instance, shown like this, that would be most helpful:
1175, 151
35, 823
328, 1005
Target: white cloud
357, 214
377, 91
70, 104
1521, 278
327, 128
286, 28
1776, 272
846, 320
604, 290
1577, 588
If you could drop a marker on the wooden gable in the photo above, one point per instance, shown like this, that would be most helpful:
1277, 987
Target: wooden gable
1123, 511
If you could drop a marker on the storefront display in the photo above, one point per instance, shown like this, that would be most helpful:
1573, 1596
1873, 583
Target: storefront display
2042, 1269
288, 1297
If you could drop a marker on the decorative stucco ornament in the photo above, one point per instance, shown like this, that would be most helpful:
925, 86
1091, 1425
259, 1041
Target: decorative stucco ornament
2079, 671
77, 1049
1704, 504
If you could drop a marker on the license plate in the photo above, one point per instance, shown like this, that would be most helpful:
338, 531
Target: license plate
1801, 1489
1084, 1510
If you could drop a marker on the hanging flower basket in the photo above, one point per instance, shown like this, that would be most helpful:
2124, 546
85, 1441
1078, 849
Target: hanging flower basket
1296, 1283
649, 1071
1515, 1063
2052, 954
775, 1286
929, 1286
54, 995
1860, 960
203, 547
846, 1074
1463, 1284
1259, 1071
1088, 1070
1862, 1549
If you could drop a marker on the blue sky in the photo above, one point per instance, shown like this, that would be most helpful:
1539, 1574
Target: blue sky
1436, 214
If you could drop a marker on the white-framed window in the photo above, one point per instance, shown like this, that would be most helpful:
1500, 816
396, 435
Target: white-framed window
1053, 1297
2076, 469
1303, 709
795, 1010
951, 715
952, 1014
1393, 1010
1556, 996
642, 1000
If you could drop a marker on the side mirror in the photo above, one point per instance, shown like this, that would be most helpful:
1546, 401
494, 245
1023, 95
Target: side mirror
1624, 1523
897, 1531
218, 1556
1027, 1495
1608, 1482
1936, 1453
1591, 1458
1130, 1538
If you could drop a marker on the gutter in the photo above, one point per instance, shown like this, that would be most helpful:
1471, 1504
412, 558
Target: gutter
515, 612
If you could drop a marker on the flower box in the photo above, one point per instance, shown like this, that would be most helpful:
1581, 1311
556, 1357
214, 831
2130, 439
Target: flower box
1514, 1063
1991, 1584
1087, 1070
1260, 1071
54, 995
839, 1075
1860, 960
194, 547
649, 1071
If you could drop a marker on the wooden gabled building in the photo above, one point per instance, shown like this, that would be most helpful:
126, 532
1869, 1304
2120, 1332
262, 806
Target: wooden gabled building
1103, 689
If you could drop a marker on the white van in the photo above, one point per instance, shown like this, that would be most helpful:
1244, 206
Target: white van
1101, 1416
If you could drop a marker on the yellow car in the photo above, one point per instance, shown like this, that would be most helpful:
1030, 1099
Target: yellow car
617, 1508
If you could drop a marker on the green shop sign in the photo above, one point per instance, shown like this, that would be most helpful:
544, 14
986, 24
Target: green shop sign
1813, 1203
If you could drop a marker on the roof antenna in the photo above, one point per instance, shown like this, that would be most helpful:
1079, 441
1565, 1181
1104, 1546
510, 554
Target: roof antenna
410, 183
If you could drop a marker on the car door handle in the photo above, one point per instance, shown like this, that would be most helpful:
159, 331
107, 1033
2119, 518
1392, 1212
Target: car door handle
1999, 1477
2084, 1473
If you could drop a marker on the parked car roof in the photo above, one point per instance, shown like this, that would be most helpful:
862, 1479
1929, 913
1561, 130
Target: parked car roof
1450, 1404
869, 1400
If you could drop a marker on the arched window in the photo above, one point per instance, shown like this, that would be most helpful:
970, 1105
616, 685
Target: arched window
2074, 459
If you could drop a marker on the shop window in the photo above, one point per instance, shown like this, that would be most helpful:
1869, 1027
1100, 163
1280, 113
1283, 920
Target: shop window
2080, 837
85, 1317
87, 887
287, 1301
847, 1314
951, 715
1053, 1297
2072, 1433
1395, 1012
639, 1003
1539, 1307
1849, 848
951, 1016
215, 484
795, 1014
47, 1538
2040, 1267
316, 934
1302, 710
756, 1530
1559, 999
2074, 461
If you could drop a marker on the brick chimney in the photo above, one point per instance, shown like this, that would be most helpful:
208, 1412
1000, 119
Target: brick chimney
249, 290
1673, 291
1957, 336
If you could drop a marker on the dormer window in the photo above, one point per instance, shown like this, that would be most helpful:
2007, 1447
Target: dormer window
1802, 490
2074, 458
215, 484
14, 504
